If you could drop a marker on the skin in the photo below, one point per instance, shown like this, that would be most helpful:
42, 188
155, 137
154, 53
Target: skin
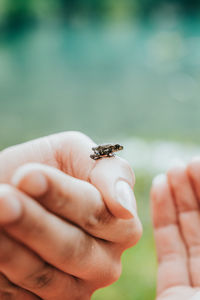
50, 217
69, 232
176, 218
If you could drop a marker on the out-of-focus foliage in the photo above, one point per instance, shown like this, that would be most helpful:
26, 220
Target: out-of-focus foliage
16, 13
108, 80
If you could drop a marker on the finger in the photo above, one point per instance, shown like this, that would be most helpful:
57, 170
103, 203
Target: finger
76, 200
189, 217
9, 291
26, 270
193, 171
172, 254
60, 243
70, 152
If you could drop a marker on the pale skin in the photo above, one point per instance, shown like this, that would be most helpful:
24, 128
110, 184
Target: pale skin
176, 217
69, 231
70, 222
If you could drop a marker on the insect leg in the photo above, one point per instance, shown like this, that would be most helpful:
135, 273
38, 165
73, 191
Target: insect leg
95, 157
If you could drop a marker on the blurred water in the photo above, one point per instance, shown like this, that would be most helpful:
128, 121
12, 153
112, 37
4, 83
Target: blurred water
107, 80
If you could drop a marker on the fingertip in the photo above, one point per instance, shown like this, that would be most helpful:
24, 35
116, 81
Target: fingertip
178, 168
30, 180
115, 179
158, 184
162, 205
193, 167
159, 180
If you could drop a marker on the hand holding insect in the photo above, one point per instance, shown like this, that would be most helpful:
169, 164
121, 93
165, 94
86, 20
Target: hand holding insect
56, 223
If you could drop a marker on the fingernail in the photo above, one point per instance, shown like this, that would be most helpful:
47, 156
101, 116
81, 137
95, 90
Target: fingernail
159, 179
32, 182
10, 209
125, 197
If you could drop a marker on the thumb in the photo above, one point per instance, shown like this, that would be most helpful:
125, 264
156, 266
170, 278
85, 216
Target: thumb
114, 178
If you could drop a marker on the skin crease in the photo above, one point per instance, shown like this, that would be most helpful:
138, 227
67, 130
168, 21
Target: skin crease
176, 219
67, 271
175, 209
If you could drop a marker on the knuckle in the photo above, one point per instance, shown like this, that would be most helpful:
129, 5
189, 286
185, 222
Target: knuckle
67, 254
134, 233
106, 274
6, 250
99, 215
99, 218
40, 279
129, 233
112, 273
29, 228
84, 292
116, 272
75, 252
28, 168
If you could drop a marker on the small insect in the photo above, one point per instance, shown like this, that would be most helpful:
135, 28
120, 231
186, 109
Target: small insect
105, 151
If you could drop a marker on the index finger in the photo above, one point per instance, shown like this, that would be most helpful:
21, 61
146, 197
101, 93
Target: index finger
70, 152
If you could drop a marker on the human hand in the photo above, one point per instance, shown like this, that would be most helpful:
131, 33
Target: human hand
176, 217
102, 236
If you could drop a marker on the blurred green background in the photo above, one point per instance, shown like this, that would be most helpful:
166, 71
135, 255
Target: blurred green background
125, 71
